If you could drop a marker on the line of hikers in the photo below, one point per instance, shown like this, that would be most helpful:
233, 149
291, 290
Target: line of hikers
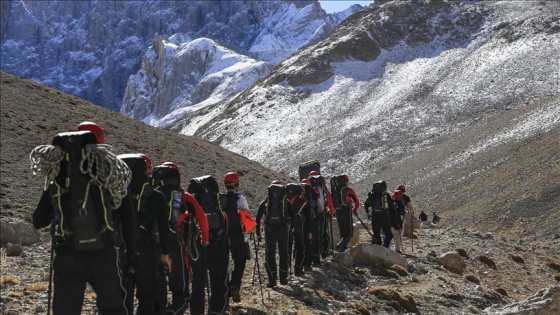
130, 229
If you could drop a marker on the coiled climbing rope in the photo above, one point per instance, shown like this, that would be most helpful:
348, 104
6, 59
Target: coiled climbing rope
99, 162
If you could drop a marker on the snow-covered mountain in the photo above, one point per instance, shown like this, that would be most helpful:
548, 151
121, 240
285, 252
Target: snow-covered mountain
90, 48
412, 92
395, 79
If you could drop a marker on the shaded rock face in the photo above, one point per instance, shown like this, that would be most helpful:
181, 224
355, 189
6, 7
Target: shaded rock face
89, 48
179, 76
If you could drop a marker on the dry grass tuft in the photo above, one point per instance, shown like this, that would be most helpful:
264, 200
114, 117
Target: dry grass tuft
39, 286
9, 280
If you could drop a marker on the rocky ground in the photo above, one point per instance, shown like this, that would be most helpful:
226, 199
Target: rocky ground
498, 272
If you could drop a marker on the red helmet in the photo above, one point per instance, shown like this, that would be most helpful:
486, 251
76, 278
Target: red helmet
314, 173
276, 182
172, 165
306, 181
231, 177
401, 187
93, 128
397, 195
346, 179
148, 163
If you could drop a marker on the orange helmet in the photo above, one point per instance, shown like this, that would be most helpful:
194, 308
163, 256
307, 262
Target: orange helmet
314, 173
401, 187
172, 165
231, 177
93, 128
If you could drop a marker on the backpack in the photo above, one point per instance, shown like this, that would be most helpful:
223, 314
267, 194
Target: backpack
307, 167
293, 190
276, 205
168, 180
338, 191
317, 183
139, 189
312, 198
380, 202
206, 191
86, 182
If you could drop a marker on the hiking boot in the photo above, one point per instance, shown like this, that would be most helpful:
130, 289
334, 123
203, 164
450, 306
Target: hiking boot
234, 293
308, 268
271, 284
283, 281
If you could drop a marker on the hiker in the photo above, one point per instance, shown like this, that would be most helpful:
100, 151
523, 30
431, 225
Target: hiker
323, 220
277, 217
345, 202
397, 213
300, 230
379, 201
406, 199
151, 218
89, 221
423, 216
310, 195
435, 218
236, 208
181, 208
209, 264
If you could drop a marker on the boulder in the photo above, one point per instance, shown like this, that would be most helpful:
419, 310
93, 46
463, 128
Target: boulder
453, 262
18, 232
415, 223
376, 255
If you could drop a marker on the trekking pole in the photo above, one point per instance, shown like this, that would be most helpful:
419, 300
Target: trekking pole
49, 291
290, 245
255, 264
365, 226
258, 268
332, 236
412, 230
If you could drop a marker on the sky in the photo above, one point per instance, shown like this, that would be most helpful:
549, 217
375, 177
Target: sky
336, 6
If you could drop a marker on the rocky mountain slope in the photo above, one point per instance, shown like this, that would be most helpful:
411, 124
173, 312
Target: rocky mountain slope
494, 275
458, 100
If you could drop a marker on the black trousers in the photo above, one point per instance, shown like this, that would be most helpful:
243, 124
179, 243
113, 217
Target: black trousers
239, 255
344, 220
300, 241
145, 277
100, 268
381, 221
326, 236
318, 238
213, 261
178, 279
276, 235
